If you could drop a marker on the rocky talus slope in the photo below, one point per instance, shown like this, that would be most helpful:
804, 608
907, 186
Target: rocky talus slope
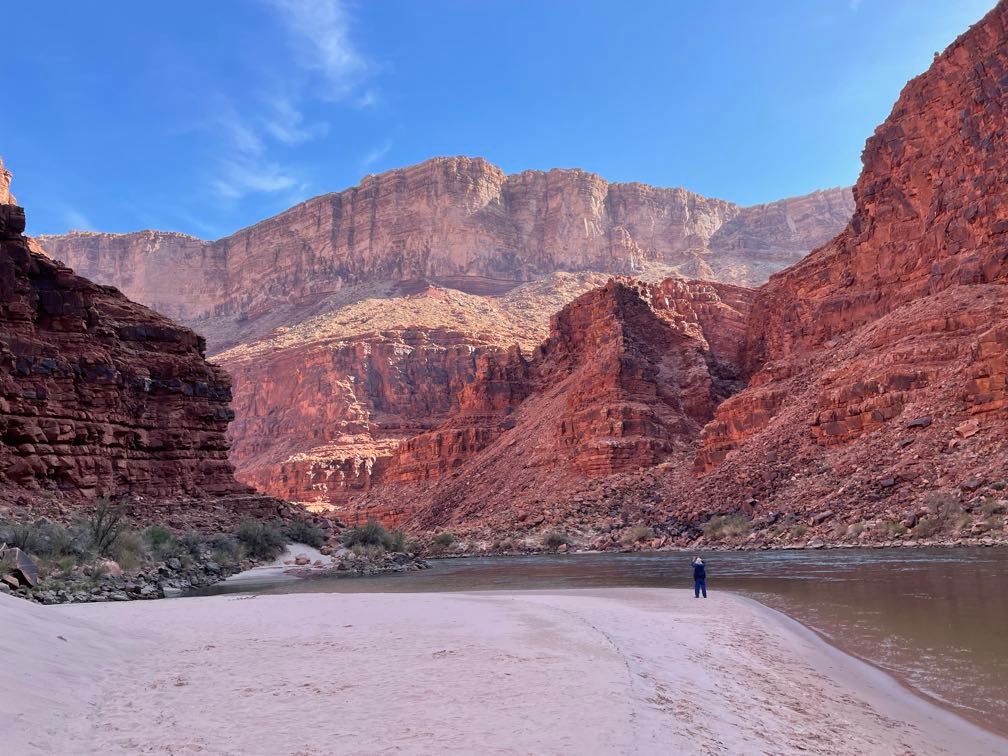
102, 396
355, 320
876, 398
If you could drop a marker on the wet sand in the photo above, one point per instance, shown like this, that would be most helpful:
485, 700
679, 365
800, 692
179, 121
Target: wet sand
628, 671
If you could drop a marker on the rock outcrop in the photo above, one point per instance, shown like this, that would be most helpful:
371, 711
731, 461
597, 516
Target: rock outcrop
626, 379
931, 216
99, 395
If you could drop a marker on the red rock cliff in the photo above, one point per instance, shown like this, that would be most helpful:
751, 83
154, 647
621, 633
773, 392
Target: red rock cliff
881, 357
462, 223
626, 379
99, 395
876, 370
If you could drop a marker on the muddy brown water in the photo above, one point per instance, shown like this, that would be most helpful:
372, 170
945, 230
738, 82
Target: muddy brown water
936, 619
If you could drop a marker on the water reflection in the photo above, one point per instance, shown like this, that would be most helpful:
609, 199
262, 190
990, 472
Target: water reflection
936, 618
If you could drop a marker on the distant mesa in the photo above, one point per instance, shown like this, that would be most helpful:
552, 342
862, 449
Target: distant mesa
463, 224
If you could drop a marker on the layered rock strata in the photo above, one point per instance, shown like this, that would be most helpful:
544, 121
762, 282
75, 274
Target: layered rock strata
931, 216
626, 379
322, 401
874, 405
459, 223
99, 395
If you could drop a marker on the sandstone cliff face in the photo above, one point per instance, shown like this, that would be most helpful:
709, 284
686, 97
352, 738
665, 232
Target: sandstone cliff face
931, 215
322, 405
6, 198
461, 223
626, 379
101, 396
875, 371
931, 208
313, 423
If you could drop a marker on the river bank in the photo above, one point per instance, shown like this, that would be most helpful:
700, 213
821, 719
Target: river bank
614, 671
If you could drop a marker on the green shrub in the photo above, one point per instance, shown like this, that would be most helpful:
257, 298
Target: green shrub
440, 543
260, 540
941, 502
554, 539
992, 506
162, 544
637, 534
225, 548
192, 543
395, 541
22, 535
798, 531
371, 533
304, 532
45, 539
444, 539
727, 526
369, 550
127, 549
888, 529
927, 527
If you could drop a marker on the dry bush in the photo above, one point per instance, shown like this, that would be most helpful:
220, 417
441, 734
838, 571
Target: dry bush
727, 526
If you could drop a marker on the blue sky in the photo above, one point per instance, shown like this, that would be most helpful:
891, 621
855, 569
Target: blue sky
208, 116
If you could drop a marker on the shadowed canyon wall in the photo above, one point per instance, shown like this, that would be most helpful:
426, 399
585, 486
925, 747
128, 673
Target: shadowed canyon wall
102, 396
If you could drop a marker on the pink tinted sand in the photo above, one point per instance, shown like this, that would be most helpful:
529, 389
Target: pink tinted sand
627, 671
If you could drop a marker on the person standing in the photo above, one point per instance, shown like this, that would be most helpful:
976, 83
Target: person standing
699, 578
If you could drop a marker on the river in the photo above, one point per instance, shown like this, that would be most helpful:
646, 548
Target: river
936, 619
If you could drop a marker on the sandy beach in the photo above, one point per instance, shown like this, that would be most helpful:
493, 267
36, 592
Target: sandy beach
616, 671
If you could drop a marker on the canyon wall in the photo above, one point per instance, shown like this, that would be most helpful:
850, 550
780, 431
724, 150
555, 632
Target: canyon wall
626, 379
873, 374
102, 396
931, 216
461, 223
444, 261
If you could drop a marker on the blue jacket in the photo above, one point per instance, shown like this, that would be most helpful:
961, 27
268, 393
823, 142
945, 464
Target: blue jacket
699, 572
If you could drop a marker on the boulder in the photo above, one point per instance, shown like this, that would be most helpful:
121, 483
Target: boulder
111, 567
22, 566
968, 428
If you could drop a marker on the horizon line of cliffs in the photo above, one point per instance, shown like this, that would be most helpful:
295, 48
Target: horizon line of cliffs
321, 419
458, 222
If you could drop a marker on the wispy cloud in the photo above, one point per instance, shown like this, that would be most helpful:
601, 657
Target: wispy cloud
239, 177
368, 99
326, 66
373, 156
321, 31
285, 122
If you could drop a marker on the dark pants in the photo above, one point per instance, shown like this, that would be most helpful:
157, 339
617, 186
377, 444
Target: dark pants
700, 584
